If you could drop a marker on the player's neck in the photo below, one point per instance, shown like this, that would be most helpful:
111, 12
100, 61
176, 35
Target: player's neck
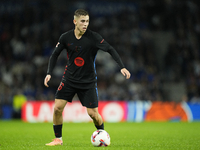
78, 34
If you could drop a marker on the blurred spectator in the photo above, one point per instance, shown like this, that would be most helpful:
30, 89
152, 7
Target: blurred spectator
18, 100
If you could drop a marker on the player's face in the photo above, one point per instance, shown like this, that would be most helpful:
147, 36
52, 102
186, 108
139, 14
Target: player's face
82, 23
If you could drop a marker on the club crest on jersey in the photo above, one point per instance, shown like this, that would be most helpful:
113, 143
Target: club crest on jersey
78, 48
79, 61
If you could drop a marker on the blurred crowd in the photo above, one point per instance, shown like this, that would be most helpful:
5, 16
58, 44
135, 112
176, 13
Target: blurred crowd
29, 33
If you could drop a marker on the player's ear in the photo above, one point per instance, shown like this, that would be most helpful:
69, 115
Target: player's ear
74, 21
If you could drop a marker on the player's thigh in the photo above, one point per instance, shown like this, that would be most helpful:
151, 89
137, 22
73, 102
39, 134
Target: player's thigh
88, 97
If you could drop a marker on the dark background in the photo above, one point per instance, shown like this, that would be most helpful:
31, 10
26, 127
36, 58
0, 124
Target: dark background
158, 41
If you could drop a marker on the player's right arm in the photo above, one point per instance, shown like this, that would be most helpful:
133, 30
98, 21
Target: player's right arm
53, 59
46, 80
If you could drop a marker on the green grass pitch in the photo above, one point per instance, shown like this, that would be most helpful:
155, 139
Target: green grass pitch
124, 136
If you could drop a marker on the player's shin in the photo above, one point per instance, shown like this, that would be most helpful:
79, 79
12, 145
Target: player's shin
58, 131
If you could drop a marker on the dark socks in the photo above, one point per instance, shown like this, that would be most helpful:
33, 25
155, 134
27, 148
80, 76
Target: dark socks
100, 127
57, 130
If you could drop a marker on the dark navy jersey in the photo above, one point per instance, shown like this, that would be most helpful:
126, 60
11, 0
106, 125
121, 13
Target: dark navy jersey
81, 53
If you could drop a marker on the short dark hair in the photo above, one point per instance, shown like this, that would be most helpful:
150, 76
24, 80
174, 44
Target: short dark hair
81, 12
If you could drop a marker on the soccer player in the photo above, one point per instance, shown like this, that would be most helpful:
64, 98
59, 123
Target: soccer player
80, 75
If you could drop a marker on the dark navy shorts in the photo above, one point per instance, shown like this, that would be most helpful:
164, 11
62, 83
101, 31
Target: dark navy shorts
87, 97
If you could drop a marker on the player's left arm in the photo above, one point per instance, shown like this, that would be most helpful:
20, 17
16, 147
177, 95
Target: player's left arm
103, 45
117, 58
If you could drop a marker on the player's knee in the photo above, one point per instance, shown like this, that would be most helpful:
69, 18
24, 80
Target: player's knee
58, 110
93, 114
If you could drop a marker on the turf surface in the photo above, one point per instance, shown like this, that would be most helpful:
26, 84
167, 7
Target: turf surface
124, 136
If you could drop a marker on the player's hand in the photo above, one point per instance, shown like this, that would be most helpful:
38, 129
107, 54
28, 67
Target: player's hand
46, 80
126, 73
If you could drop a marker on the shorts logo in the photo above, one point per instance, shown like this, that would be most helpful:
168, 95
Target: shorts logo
79, 61
91, 103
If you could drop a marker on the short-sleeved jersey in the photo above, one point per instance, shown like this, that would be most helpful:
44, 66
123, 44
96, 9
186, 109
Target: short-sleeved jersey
81, 53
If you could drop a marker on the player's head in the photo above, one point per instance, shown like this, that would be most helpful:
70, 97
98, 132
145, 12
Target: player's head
81, 20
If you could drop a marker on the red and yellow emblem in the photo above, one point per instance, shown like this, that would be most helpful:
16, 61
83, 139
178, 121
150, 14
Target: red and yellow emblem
79, 61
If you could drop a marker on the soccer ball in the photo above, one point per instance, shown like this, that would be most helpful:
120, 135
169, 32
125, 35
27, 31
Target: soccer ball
100, 138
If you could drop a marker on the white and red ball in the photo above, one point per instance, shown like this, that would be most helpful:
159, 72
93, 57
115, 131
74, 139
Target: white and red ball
100, 138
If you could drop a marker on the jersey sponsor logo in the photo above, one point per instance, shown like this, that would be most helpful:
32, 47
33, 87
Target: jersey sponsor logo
79, 61
102, 41
57, 44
